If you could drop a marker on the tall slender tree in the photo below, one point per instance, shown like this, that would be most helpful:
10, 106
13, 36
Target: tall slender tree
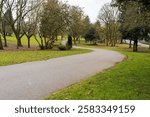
6, 28
1, 10
77, 25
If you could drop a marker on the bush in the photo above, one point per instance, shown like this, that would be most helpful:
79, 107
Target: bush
66, 44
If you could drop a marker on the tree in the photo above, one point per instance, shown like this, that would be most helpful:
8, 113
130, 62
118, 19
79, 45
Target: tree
108, 15
19, 9
145, 3
6, 28
1, 9
30, 24
92, 36
86, 25
134, 20
54, 20
77, 25
98, 28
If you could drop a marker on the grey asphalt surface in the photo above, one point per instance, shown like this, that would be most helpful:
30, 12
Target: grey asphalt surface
35, 80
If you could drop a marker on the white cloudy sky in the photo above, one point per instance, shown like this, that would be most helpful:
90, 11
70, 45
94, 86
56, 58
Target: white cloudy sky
90, 7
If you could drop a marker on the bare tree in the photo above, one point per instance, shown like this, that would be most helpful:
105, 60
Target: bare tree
30, 22
19, 9
108, 15
1, 9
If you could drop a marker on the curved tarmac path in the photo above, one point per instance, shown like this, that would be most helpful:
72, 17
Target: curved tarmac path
35, 80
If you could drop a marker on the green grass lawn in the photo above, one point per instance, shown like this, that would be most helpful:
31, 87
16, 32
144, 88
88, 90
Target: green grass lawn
129, 80
15, 57
12, 39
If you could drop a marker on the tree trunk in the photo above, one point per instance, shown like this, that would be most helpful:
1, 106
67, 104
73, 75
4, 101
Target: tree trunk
19, 43
130, 44
135, 46
121, 42
40, 44
1, 43
5, 41
74, 39
29, 43
18, 37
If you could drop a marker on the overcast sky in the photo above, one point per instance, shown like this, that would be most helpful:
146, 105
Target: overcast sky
90, 7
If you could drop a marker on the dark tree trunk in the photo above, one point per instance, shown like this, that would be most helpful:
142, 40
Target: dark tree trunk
18, 37
130, 44
5, 41
1, 43
4, 36
46, 42
121, 42
40, 44
135, 46
19, 43
29, 43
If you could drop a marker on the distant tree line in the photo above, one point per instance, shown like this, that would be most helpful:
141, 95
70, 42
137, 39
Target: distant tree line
45, 20
122, 20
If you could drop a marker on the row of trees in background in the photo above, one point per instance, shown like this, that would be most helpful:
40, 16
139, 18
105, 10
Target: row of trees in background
45, 20
124, 20
106, 28
51, 18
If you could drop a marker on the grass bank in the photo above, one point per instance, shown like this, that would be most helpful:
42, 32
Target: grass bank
15, 57
129, 80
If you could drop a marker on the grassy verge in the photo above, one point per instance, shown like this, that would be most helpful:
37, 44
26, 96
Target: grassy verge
15, 57
129, 80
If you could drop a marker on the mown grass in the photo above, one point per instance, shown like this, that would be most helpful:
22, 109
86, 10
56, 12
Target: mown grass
12, 39
15, 57
129, 80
